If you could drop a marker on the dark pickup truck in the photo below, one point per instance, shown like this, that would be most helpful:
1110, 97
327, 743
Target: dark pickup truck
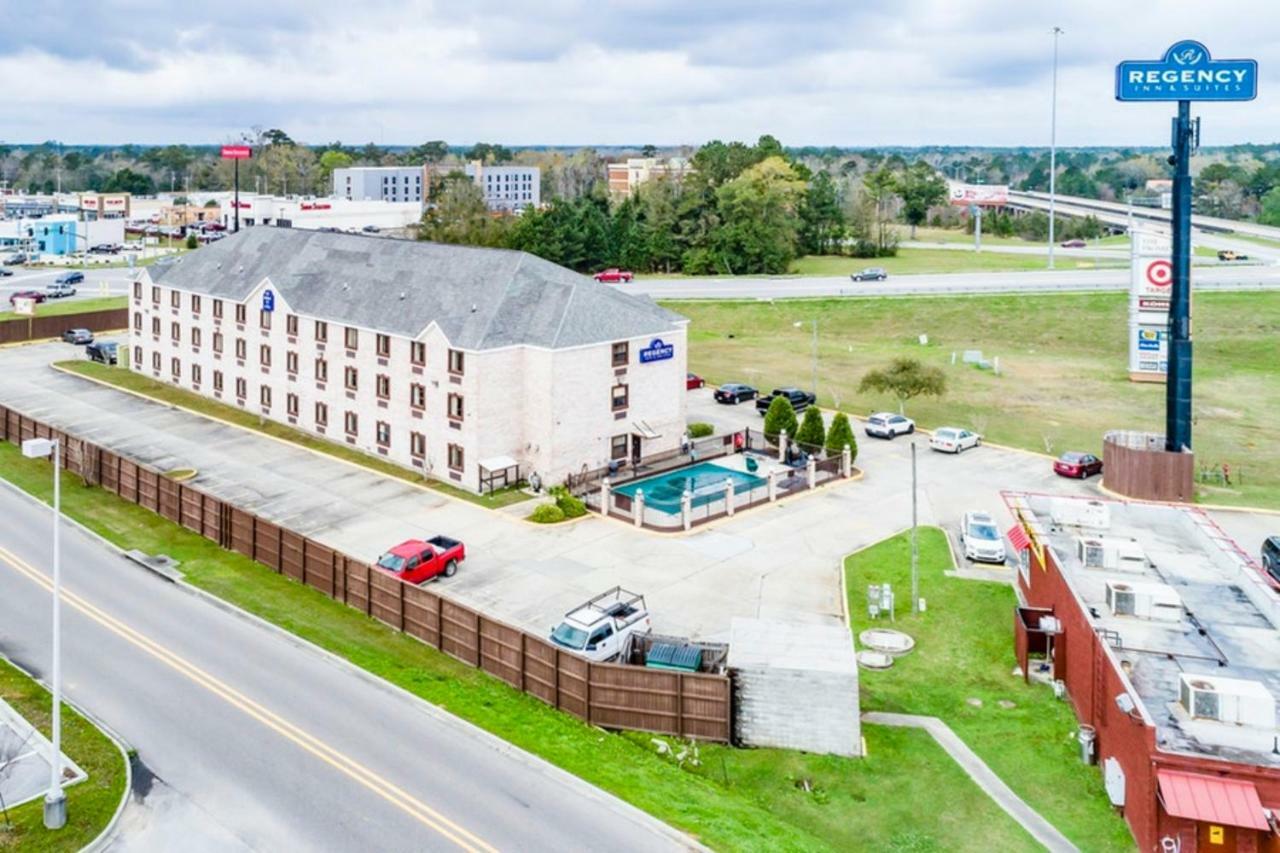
416, 561
800, 400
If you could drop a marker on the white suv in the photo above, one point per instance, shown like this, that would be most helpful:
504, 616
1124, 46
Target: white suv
981, 538
888, 425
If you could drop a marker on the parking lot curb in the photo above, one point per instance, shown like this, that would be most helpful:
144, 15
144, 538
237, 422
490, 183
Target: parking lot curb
1188, 504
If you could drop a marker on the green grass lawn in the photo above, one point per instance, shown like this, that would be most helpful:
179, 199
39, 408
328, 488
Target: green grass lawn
964, 652
913, 261
735, 800
61, 307
122, 377
91, 803
1063, 360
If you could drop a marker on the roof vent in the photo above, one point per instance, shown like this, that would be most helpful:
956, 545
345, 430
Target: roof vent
473, 308
402, 294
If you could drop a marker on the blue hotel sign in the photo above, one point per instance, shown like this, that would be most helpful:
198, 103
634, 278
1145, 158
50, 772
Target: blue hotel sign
268, 300
1187, 73
657, 350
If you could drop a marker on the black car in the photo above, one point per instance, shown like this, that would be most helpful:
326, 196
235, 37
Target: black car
1271, 557
5, 271
103, 352
72, 277
870, 274
800, 400
734, 393
78, 336
16, 258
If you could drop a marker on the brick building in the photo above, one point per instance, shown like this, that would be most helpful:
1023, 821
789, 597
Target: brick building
459, 362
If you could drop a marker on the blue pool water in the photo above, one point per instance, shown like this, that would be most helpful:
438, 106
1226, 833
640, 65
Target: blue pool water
705, 480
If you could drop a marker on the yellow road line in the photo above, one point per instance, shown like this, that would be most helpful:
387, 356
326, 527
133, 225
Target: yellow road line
385, 789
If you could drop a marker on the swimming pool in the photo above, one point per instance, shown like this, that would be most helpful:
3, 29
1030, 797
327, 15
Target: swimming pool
705, 480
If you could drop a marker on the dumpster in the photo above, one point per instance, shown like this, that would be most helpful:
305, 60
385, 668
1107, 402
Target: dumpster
685, 658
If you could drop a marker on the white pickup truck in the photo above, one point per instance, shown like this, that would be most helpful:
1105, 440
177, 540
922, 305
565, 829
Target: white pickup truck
598, 629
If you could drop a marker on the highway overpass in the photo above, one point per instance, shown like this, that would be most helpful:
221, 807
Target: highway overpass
1117, 213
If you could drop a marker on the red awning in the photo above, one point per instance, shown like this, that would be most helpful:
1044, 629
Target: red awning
1019, 538
1231, 802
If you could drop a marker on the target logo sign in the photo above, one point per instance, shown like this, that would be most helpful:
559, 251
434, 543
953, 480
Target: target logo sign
1160, 273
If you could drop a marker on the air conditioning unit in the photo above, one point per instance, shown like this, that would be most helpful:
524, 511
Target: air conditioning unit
1153, 601
1100, 552
1074, 512
1235, 701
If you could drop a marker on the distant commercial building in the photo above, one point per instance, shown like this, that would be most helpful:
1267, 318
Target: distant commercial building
505, 188
458, 362
190, 214
1165, 638
626, 177
307, 213
35, 205
105, 205
58, 234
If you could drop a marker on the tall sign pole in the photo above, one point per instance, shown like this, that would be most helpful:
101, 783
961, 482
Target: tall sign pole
236, 153
1184, 74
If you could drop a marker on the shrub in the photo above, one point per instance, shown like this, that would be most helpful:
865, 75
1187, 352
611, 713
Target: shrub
192, 242
840, 434
547, 514
569, 505
700, 430
812, 432
781, 416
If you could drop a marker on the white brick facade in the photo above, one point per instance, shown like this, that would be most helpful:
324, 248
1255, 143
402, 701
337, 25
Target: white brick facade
549, 409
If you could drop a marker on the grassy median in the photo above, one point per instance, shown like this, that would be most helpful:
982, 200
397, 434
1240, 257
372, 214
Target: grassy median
961, 671
62, 307
91, 803
735, 799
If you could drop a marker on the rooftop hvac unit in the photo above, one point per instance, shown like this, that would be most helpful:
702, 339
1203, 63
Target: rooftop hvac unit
1073, 512
1100, 552
1227, 700
1146, 601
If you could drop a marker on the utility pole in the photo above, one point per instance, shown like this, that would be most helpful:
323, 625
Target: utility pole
815, 360
1053, 142
915, 549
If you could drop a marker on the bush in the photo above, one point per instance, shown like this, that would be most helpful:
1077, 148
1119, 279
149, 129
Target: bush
192, 242
700, 430
781, 416
547, 514
812, 432
841, 434
569, 505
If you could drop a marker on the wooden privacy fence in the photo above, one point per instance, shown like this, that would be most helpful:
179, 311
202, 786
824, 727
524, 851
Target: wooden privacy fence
35, 328
693, 705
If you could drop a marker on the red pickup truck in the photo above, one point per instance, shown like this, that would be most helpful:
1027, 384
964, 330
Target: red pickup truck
613, 275
415, 561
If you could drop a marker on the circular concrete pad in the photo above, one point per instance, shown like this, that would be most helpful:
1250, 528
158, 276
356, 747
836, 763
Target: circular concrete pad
875, 660
887, 640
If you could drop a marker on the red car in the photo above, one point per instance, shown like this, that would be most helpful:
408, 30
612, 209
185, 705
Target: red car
1079, 465
613, 275
1074, 244
415, 561
692, 381
34, 295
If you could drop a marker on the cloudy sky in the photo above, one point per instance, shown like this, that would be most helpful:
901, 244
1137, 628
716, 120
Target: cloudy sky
857, 72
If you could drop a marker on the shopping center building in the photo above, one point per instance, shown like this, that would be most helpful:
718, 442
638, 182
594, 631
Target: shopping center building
470, 365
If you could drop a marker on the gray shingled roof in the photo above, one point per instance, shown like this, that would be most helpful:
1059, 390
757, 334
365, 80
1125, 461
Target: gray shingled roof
480, 298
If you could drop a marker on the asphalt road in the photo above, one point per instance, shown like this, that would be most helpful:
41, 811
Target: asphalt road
251, 739
97, 283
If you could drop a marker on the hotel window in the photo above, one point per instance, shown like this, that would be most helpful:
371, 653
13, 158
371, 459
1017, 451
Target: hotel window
241, 312
264, 319
351, 423
155, 296
322, 370
196, 337
455, 457
619, 396
155, 326
455, 361
242, 388
195, 374
418, 353
455, 407
418, 396
175, 367
322, 331
241, 348
322, 414
137, 320
417, 444
137, 290
618, 447
291, 362
384, 345
217, 309
384, 434
217, 341
291, 324
351, 337
383, 386
217, 380
264, 355
351, 378
291, 405
264, 395
175, 299
621, 354
137, 356
175, 332
195, 304
155, 361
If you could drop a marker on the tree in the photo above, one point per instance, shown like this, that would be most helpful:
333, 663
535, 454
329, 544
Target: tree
920, 188
812, 433
757, 210
821, 218
781, 416
880, 187
1270, 213
648, 151
488, 152
276, 136
129, 181
905, 378
458, 215
329, 161
430, 152
841, 436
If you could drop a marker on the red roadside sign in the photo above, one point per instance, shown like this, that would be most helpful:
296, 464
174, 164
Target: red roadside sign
236, 152
1160, 273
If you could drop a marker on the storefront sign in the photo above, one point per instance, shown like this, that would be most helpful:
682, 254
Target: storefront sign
268, 300
1151, 280
657, 350
1187, 73
236, 152
992, 195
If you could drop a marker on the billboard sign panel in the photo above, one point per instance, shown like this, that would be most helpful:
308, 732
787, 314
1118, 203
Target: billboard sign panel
1186, 72
236, 152
994, 195
1151, 280
24, 305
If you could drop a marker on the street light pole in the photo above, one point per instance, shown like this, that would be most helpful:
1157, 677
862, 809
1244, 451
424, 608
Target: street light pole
1053, 142
55, 801
813, 353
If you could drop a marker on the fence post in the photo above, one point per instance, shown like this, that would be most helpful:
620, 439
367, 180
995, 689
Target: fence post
686, 509
782, 445
604, 496
679, 705
638, 519
728, 496
811, 468
773, 486
846, 462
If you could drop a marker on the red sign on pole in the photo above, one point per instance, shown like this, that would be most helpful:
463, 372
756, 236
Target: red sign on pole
236, 152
